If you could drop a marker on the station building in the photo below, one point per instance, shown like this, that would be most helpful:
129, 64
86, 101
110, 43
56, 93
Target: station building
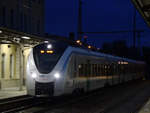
23, 15
21, 27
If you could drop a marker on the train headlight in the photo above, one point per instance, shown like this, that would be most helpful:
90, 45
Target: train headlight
34, 75
49, 46
57, 75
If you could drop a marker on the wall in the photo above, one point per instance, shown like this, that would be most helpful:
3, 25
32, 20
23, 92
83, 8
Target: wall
12, 66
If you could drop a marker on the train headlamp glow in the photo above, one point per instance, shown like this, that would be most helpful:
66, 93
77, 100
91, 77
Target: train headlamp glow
49, 46
50, 52
42, 51
34, 75
57, 75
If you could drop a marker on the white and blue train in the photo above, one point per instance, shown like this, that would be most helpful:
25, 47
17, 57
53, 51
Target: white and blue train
57, 68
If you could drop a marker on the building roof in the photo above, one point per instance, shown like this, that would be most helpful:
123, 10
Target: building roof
143, 7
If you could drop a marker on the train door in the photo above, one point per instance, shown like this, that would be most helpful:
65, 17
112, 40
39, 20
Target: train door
88, 75
121, 71
106, 76
78, 71
70, 74
109, 72
113, 71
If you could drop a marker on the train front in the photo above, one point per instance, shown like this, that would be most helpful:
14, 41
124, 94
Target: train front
42, 68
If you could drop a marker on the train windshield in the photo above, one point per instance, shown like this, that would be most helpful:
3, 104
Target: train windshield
47, 55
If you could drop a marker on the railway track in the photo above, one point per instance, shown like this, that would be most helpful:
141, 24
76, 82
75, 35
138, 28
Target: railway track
34, 105
105, 104
71, 100
15, 104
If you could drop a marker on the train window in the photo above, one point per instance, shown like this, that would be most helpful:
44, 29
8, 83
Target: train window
81, 70
114, 69
75, 67
105, 70
93, 70
109, 69
89, 69
46, 62
102, 70
96, 69
86, 70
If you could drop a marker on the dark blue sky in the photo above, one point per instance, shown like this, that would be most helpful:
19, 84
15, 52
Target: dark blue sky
98, 15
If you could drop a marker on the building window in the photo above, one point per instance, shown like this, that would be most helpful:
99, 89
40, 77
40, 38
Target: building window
38, 26
21, 21
3, 65
11, 66
30, 25
25, 22
12, 18
4, 16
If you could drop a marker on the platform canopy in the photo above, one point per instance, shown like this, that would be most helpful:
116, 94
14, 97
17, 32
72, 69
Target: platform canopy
143, 7
8, 36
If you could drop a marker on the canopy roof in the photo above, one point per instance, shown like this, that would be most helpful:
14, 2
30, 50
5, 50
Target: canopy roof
143, 7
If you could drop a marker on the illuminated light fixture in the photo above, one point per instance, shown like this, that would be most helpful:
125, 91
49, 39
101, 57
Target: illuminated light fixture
89, 47
1, 31
126, 63
49, 46
98, 48
25, 37
57, 75
80, 66
121, 62
78, 41
34, 75
42, 51
46, 41
50, 52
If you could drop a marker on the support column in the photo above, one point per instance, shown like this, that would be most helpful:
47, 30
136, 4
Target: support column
21, 68
0, 67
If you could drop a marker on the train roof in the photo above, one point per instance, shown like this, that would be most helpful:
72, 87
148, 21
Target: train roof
112, 56
95, 51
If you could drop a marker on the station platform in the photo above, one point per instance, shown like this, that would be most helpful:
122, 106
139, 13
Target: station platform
12, 92
145, 108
